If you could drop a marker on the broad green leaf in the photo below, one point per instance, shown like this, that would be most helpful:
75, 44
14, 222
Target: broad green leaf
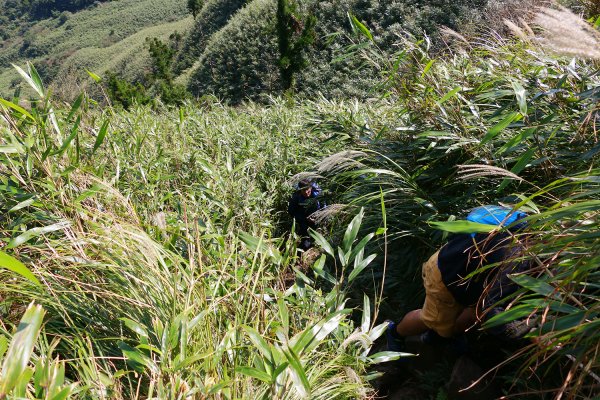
309, 338
101, 135
361, 245
377, 331
518, 167
535, 285
360, 266
564, 323
514, 313
37, 80
352, 231
499, 127
75, 106
94, 76
386, 356
23, 204
427, 68
29, 79
357, 25
136, 359
21, 348
450, 94
64, 393
35, 232
17, 266
297, 373
261, 246
254, 373
70, 138
258, 341
366, 314
17, 108
463, 226
284, 315
320, 271
135, 326
521, 96
321, 241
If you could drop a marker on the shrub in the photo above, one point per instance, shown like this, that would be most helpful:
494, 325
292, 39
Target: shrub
213, 15
241, 60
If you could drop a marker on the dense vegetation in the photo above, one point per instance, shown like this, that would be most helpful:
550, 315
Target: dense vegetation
154, 244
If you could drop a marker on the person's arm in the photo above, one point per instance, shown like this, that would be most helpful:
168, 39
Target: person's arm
293, 205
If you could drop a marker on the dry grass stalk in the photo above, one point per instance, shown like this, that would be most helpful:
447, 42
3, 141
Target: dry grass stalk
311, 176
327, 213
341, 161
479, 170
566, 33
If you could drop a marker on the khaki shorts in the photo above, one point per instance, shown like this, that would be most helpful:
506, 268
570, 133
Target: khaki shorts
440, 310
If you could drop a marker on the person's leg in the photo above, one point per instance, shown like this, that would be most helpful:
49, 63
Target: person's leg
465, 320
411, 324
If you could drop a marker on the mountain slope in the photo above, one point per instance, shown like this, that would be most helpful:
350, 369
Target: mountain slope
99, 38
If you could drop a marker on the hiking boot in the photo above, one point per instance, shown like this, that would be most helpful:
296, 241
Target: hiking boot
432, 338
395, 342
458, 345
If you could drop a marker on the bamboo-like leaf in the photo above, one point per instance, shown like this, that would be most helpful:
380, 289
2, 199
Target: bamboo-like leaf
136, 359
254, 373
500, 126
258, 342
366, 315
352, 231
518, 167
360, 266
377, 331
386, 356
463, 226
35, 232
29, 79
427, 67
284, 315
69, 139
450, 94
94, 76
535, 285
321, 241
297, 373
135, 326
310, 338
361, 245
359, 26
75, 106
517, 312
23, 204
37, 80
101, 135
17, 108
21, 348
521, 95
17, 266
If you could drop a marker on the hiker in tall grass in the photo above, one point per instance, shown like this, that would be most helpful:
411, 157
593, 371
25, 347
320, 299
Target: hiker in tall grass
303, 202
469, 273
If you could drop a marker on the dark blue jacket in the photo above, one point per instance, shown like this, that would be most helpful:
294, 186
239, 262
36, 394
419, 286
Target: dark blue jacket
300, 207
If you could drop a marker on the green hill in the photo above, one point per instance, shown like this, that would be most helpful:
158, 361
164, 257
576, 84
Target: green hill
106, 36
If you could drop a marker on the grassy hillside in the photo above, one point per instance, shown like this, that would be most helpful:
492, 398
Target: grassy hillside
108, 36
147, 253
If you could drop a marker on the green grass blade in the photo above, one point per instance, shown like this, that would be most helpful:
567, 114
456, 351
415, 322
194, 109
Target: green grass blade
21, 348
17, 266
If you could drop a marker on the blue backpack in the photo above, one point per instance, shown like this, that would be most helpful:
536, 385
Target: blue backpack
497, 215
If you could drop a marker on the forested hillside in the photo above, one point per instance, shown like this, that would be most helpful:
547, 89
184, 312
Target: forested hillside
146, 250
